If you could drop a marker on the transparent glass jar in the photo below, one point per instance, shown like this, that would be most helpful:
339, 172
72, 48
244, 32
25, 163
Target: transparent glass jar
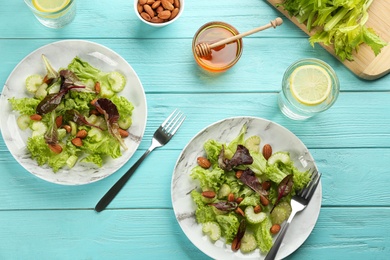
221, 58
296, 110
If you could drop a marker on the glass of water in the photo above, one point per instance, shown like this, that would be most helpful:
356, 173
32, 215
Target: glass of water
309, 86
54, 19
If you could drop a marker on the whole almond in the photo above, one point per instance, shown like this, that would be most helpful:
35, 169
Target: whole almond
123, 133
55, 148
156, 4
174, 13
230, 197
239, 199
159, 9
145, 16
142, 2
149, 10
167, 5
275, 229
267, 151
82, 133
77, 142
59, 121
150, 2
257, 209
208, 194
68, 128
157, 20
203, 162
239, 173
140, 8
240, 211
164, 14
264, 201
36, 117
176, 3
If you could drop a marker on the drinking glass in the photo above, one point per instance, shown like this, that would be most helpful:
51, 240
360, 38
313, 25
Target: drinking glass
296, 110
57, 19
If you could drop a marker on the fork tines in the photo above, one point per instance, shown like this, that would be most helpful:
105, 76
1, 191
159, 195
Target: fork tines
173, 122
307, 192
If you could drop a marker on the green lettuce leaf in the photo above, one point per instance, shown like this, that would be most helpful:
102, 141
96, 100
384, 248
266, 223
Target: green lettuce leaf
79, 101
57, 161
263, 235
25, 106
229, 224
106, 146
124, 106
259, 164
204, 213
300, 179
208, 179
86, 72
252, 200
94, 158
212, 149
40, 151
231, 148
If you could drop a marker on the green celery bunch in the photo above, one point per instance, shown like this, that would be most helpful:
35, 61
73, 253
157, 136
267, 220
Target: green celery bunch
338, 22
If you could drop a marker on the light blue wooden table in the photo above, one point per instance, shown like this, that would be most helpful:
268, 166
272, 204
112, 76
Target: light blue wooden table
350, 142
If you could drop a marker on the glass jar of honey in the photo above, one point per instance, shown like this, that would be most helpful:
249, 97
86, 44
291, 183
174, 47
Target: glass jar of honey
223, 57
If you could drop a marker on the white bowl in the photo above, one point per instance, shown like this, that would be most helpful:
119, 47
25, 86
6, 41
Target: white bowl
158, 24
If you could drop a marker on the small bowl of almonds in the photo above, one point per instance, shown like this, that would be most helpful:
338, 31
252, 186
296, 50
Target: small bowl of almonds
158, 13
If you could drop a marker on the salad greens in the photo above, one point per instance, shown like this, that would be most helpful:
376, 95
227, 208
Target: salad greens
244, 221
74, 114
338, 22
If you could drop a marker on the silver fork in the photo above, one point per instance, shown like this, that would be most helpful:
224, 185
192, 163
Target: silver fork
298, 203
161, 137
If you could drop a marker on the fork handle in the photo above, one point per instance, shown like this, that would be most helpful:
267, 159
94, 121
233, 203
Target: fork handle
111, 193
275, 248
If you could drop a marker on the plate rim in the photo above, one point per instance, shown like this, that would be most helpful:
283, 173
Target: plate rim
318, 192
93, 46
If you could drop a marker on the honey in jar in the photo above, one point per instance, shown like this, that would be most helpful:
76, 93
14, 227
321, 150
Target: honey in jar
223, 57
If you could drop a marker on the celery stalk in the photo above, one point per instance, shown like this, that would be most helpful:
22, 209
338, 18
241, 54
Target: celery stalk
341, 23
335, 19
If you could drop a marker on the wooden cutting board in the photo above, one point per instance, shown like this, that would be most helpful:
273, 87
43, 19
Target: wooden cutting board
365, 64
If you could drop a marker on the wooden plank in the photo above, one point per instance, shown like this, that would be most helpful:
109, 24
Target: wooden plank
94, 19
345, 173
80, 234
264, 75
348, 124
144, 234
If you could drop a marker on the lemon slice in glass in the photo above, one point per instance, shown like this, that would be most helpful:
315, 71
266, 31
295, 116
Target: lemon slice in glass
310, 84
49, 6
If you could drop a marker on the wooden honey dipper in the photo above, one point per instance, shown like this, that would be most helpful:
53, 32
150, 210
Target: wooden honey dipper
204, 49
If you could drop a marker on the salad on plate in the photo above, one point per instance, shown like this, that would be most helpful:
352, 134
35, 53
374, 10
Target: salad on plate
244, 191
75, 114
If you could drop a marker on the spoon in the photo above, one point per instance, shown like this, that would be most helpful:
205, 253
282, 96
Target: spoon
204, 49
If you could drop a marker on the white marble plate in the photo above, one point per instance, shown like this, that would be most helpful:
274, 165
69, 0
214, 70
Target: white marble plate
60, 55
224, 131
